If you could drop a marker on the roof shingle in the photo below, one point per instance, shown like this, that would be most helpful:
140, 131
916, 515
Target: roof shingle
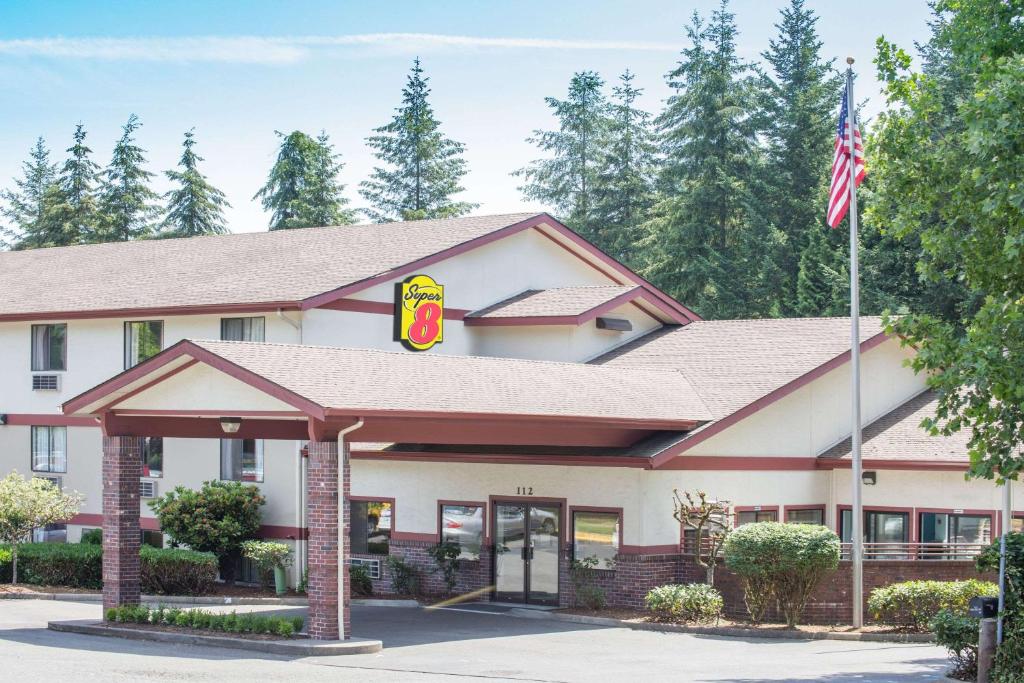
550, 303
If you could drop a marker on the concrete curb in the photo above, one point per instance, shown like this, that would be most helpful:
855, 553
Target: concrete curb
382, 602
729, 631
158, 599
298, 648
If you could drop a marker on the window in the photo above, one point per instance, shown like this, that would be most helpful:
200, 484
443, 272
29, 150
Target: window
370, 526
750, 516
464, 526
153, 457
805, 516
596, 534
142, 340
51, 533
882, 528
49, 449
940, 529
242, 329
49, 347
241, 459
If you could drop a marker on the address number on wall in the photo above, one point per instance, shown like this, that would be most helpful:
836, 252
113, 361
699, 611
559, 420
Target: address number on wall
524, 490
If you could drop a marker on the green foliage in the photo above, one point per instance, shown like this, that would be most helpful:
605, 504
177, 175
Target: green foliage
92, 537
404, 577
709, 520
912, 605
693, 602
195, 207
781, 562
217, 518
582, 575
26, 205
267, 554
446, 557
359, 577
176, 571
958, 633
302, 190
27, 504
126, 202
422, 168
199, 619
1010, 656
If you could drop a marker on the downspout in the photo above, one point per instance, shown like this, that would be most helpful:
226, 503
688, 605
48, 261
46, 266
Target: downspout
296, 324
342, 502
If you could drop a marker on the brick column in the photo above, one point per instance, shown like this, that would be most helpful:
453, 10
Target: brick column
122, 467
325, 554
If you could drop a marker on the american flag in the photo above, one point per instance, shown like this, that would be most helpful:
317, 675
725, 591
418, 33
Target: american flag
839, 189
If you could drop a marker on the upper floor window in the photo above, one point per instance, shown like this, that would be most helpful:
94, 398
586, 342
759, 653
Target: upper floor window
50, 449
142, 339
49, 347
243, 329
241, 460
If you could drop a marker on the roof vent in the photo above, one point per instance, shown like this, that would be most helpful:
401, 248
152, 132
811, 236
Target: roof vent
617, 324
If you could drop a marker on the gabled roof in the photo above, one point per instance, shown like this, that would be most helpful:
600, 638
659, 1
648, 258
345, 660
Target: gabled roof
898, 435
558, 306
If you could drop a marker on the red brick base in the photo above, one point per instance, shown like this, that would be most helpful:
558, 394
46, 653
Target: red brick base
122, 467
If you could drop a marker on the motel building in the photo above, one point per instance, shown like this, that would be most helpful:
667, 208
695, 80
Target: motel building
496, 381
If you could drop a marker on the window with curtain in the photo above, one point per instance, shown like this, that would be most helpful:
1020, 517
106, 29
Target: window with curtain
241, 460
49, 347
153, 456
463, 525
750, 516
243, 329
49, 449
596, 534
370, 526
142, 339
805, 516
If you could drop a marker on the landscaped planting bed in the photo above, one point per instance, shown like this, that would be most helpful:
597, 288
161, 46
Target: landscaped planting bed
245, 625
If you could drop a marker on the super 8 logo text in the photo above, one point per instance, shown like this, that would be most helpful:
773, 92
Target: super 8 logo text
419, 312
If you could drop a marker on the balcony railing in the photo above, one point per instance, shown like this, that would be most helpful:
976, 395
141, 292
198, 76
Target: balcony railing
917, 551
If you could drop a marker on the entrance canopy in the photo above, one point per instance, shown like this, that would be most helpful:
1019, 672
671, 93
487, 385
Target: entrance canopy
282, 391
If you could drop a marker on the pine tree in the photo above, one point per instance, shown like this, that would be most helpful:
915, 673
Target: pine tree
706, 239
78, 208
624, 186
800, 101
823, 280
196, 207
127, 206
302, 190
423, 169
567, 179
26, 205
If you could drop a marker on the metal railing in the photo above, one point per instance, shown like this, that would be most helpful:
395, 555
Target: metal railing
917, 551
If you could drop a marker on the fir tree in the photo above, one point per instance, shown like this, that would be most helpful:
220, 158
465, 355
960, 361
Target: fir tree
706, 239
126, 202
77, 209
567, 179
302, 190
800, 102
423, 169
624, 187
196, 207
26, 205
823, 278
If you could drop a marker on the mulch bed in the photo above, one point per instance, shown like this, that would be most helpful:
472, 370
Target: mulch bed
24, 589
203, 631
219, 590
638, 616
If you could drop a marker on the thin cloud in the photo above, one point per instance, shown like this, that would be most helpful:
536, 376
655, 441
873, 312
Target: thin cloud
287, 49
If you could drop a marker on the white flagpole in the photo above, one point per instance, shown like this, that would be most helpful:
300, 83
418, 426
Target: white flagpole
1006, 524
857, 521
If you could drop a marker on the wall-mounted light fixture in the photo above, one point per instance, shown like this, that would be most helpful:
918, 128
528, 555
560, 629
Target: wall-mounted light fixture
3, 418
231, 425
869, 478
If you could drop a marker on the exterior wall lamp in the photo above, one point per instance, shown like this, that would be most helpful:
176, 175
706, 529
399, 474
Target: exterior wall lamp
231, 425
869, 478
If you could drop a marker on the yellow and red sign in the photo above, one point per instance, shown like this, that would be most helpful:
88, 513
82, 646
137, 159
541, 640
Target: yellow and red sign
419, 312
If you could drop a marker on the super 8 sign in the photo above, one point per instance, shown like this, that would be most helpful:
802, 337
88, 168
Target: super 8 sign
419, 312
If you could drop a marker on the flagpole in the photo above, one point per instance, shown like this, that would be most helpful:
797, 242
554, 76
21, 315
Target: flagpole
857, 514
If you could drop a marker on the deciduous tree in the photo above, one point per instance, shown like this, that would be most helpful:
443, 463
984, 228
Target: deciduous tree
27, 504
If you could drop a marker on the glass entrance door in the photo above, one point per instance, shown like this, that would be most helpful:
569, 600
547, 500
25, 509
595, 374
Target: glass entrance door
527, 539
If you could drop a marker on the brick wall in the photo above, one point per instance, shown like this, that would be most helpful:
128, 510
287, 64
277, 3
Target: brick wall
122, 467
322, 520
628, 583
473, 574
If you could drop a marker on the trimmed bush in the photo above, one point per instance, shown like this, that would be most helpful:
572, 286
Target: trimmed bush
780, 563
202, 620
174, 571
958, 633
682, 603
912, 605
92, 537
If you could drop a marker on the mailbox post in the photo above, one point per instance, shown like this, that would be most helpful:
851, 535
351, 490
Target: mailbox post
985, 609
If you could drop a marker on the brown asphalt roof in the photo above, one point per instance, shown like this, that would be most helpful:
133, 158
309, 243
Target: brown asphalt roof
732, 363
558, 302
898, 435
244, 268
345, 378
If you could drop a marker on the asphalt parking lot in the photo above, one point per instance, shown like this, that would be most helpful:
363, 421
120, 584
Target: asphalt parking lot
435, 645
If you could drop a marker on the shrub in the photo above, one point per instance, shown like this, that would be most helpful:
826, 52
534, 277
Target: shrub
203, 620
682, 603
360, 580
1009, 664
175, 571
58, 564
298, 623
92, 537
446, 557
404, 579
780, 562
285, 628
582, 575
959, 635
27, 504
912, 605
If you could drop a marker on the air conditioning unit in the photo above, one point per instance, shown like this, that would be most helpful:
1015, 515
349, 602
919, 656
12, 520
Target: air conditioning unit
45, 382
372, 566
147, 488
56, 481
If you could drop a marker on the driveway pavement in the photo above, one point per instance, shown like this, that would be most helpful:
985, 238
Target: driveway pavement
436, 645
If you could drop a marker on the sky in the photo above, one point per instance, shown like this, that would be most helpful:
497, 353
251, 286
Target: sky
237, 72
